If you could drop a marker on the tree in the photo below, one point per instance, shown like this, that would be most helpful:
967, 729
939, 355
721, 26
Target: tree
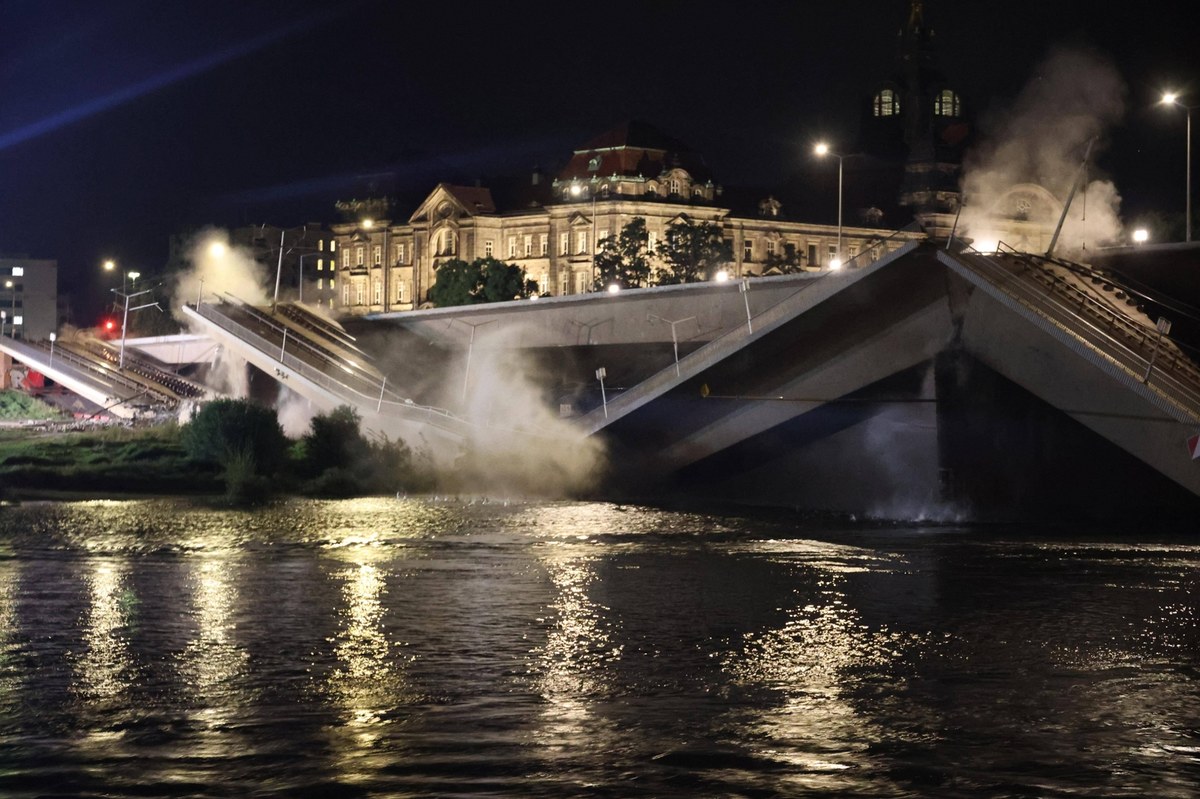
625, 259
787, 263
244, 439
482, 280
226, 430
502, 282
691, 252
457, 283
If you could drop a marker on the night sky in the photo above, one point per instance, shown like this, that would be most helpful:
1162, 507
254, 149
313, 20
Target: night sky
124, 121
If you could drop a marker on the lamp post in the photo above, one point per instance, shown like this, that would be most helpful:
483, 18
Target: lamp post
674, 339
8, 284
823, 150
125, 317
3, 318
1171, 98
53, 338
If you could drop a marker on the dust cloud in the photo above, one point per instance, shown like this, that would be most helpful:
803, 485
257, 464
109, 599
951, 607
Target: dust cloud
1074, 98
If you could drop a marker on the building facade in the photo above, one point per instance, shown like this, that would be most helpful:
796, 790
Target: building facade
29, 297
553, 229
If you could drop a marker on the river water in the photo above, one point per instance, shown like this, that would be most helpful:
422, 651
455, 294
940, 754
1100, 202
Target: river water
425, 647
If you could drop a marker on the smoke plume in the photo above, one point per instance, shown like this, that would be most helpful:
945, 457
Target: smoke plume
1074, 98
216, 268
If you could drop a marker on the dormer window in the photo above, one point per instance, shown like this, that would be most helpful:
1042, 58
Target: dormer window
887, 104
946, 104
594, 164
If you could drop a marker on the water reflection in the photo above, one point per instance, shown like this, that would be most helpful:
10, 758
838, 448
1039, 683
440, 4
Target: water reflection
214, 661
572, 664
10, 675
366, 685
817, 661
104, 671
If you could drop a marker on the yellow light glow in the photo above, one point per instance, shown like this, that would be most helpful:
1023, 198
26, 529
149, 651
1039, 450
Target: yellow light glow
821, 149
1169, 98
1141, 235
835, 264
613, 288
722, 276
217, 249
368, 224
110, 265
986, 246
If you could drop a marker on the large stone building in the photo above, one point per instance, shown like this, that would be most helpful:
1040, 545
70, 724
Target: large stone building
552, 228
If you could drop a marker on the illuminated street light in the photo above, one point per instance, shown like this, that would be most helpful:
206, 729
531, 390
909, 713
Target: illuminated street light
53, 338
822, 150
613, 288
722, 276
1141, 235
1171, 98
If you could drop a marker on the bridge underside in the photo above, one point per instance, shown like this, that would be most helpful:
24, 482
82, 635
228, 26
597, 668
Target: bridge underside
917, 392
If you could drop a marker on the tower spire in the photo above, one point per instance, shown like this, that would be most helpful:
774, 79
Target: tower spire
916, 19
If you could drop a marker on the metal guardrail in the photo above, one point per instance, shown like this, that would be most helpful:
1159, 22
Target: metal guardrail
379, 397
1098, 325
725, 344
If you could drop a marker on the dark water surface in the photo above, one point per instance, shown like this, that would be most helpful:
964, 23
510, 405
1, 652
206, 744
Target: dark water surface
418, 647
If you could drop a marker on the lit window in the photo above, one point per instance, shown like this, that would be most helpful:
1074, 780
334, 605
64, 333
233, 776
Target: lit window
886, 103
946, 104
544, 245
674, 185
528, 246
18, 271
320, 283
18, 320
488, 249
321, 244
564, 243
832, 248
331, 284
652, 240
770, 248
333, 246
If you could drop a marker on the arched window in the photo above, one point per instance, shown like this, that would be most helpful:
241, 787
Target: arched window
887, 103
946, 104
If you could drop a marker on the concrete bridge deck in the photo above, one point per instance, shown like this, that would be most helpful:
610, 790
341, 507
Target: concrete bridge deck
928, 382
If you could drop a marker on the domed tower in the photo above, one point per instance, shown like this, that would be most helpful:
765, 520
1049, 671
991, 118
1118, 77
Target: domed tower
917, 121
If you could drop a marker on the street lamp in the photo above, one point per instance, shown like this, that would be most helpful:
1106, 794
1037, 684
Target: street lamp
8, 284
823, 150
1171, 98
53, 338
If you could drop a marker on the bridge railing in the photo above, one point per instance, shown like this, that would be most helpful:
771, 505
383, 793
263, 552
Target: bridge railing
369, 393
1105, 329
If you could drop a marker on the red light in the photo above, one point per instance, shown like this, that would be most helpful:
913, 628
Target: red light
109, 325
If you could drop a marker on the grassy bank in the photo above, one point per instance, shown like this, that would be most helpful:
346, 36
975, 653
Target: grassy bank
105, 461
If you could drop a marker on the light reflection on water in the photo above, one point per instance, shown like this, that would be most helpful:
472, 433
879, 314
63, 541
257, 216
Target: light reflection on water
430, 647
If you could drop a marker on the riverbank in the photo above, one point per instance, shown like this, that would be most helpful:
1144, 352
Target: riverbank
47, 459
